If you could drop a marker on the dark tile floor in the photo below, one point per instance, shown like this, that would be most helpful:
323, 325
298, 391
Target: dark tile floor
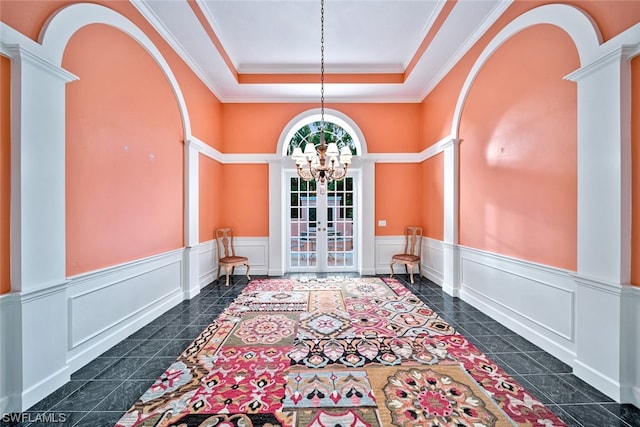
102, 391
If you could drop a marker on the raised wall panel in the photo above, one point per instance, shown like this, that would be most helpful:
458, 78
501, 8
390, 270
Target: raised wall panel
535, 301
386, 247
207, 262
107, 306
433, 260
257, 250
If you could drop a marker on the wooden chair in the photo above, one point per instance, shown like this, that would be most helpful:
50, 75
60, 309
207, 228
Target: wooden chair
227, 253
412, 251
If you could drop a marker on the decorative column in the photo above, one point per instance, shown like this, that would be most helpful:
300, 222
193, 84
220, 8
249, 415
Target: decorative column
451, 270
276, 232
191, 277
604, 222
38, 263
368, 226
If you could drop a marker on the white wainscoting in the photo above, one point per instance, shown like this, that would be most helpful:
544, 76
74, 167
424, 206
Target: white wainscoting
386, 247
433, 260
106, 306
632, 322
536, 301
432, 257
254, 248
207, 262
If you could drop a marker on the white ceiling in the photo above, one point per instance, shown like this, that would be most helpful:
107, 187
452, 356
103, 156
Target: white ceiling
262, 37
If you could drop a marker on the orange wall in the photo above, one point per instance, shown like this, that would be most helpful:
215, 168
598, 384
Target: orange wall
518, 156
255, 128
211, 199
124, 176
398, 190
635, 171
245, 201
433, 196
5, 174
612, 17
251, 128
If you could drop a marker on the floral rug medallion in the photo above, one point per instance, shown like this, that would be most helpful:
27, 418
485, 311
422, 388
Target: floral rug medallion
357, 352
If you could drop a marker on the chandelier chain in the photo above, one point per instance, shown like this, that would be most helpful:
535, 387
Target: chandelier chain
322, 69
325, 163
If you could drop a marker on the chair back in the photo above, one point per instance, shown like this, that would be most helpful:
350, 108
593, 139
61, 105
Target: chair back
413, 241
224, 237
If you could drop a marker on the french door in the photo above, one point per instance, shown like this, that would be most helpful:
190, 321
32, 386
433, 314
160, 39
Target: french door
321, 228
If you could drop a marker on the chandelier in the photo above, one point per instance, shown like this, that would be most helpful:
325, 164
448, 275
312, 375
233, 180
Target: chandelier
326, 163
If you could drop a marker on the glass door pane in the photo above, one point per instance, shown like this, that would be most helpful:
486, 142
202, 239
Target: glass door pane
340, 225
302, 224
321, 227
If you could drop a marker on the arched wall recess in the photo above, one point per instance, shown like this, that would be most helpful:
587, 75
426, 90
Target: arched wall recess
603, 207
573, 21
63, 24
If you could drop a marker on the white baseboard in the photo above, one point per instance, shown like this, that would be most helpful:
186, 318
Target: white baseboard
9, 402
633, 323
45, 387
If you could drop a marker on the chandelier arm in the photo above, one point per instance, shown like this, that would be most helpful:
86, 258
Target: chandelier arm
339, 174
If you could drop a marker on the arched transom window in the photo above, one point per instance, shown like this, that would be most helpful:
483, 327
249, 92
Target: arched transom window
311, 132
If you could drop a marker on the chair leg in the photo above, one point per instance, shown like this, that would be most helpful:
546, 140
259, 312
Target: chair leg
391, 277
248, 278
411, 275
227, 271
420, 268
219, 267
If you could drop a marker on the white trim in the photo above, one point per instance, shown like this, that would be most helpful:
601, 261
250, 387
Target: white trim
183, 53
9, 337
18, 52
206, 149
480, 31
631, 333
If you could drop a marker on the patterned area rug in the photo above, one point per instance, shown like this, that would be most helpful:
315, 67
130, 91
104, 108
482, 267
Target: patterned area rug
351, 352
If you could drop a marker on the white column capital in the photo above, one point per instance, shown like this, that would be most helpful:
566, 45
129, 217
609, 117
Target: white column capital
20, 54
